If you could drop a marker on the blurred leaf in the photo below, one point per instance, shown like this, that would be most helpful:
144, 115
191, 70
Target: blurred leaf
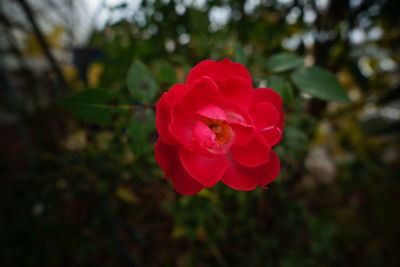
139, 128
319, 83
179, 231
166, 75
53, 38
197, 21
281, 86
208, 194
283, 62
141, 82
296, 140
240, 56
96, 105
94, 73
126, 195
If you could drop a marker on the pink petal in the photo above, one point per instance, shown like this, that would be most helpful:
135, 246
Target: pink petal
212, 112
218, 71
206, 138
272, 135
271, 169
164, 109
243, 132
206, 170
264, 115
237, 90
252, 154
167, 157
203, 134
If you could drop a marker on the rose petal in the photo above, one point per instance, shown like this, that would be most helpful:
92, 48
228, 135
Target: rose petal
204, 92
264, 115
271, 169
206, 170
267, 95
240, 177
253, 153
176, 93
237, 90
281, 124
212, 112
236, 114
164, 109
185, 184
243, 133
167, 157
181, 127
207, 143
272, 135
218, 71
203, 134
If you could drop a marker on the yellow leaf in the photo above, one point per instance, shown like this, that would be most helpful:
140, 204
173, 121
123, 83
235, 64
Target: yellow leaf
33, 47
94, 74
178, 232
75, 141
126, 195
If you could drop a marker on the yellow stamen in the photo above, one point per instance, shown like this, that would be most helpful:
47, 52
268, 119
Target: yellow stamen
222, 130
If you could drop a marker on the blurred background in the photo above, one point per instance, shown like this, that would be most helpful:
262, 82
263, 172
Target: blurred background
78, 189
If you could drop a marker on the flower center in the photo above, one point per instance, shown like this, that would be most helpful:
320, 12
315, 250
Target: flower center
223, 132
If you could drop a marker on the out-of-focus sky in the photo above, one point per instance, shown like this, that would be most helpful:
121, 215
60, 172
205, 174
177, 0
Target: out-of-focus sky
98, 15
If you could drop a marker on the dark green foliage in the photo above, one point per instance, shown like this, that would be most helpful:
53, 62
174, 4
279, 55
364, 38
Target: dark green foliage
240, 55
166, 75
140, 126
141, 83
96, 105
320, 83
283, 62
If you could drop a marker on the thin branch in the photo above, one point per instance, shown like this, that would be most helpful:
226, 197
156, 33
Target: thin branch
39, 34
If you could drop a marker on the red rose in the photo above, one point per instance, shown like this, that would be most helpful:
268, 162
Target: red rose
216, 127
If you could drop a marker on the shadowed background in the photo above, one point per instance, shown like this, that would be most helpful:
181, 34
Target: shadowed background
79, 189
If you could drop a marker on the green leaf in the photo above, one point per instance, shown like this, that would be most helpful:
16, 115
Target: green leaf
239, 54
283, 62
139, 128
319, 83
141, 83
166, 75
96, 105
281, 86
